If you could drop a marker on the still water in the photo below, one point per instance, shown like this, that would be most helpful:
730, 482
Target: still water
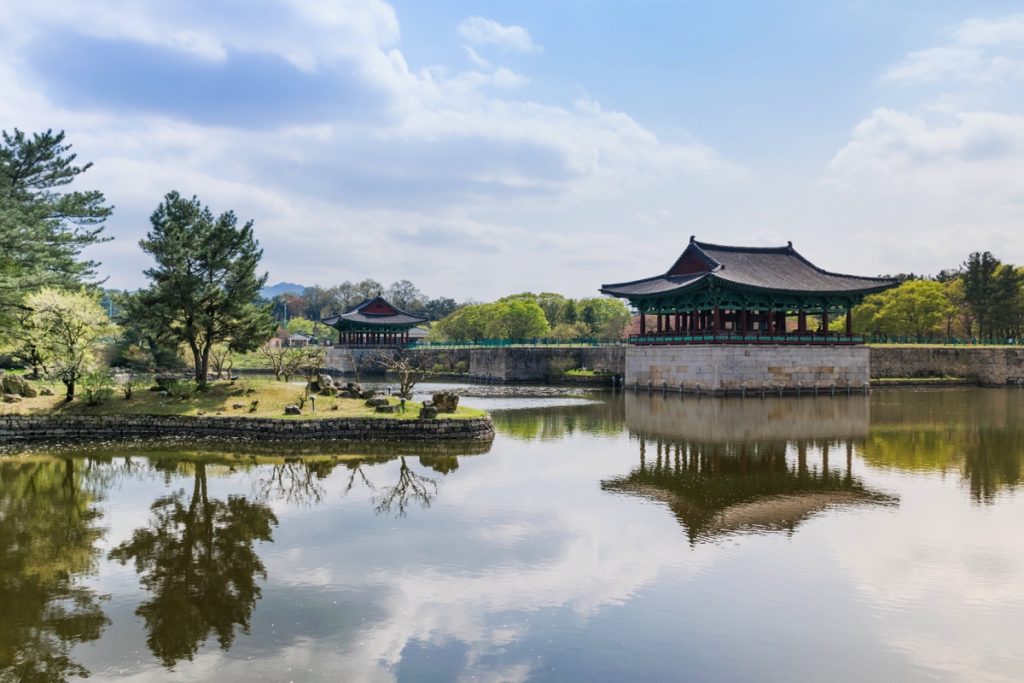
600, 538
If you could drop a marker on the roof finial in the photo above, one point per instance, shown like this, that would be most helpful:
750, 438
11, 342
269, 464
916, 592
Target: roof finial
789, 244
693, 238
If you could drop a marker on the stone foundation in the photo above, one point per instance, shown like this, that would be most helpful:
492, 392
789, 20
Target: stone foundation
119, 427
738, 368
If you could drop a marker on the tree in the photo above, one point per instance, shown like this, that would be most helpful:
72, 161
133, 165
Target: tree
287, 361
406, 296
196, 559
979, 288
553, 306
68, 328
916, 307
516, 319
606, 317
411, 368
43, 229
435, 309
204, 287
50, 528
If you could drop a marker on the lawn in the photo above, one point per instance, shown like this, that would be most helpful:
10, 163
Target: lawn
221, 398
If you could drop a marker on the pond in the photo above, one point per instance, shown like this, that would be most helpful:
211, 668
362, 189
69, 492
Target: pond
601, 537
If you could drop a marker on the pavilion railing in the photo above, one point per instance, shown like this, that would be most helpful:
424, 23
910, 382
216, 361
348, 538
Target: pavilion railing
728, 338
512, 343
943, 341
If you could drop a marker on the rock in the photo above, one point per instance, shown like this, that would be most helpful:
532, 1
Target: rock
200, 412
428, 412
12, 384
446, 401
237, 406
12, 398
376, 401
334, 406
292, 410
325, 380
385, 409
329, 391
46, 391
346, 393
368, 393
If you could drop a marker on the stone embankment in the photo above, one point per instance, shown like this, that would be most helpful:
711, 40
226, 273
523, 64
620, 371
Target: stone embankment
987, 366
24, 428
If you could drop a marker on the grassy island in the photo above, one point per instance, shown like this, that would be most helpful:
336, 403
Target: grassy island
247, 398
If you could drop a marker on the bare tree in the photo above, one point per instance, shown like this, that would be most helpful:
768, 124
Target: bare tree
411, 368
410, 487
296, 360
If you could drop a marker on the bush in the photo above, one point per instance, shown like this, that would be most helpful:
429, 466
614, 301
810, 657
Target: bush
557, 368
181, 388
97, 387
461, 367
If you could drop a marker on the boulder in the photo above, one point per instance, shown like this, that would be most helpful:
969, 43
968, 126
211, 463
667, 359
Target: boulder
385, 409
12, 398
237, 406
292, 410
368, 393
346, 393
46, 391
12, 384
445, 401
428, 412
377, 401
329, 391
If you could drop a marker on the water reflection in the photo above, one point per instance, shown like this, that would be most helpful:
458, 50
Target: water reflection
977, 433
196, 560
720, 488
599, 417
49, 528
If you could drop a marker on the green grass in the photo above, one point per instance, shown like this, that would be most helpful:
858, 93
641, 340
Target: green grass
582, 372
220, 399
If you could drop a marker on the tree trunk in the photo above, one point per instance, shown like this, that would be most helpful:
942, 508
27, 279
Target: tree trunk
70, 396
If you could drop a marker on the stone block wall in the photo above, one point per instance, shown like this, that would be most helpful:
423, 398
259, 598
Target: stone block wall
729, 368
990, 366
533, 364
115, 427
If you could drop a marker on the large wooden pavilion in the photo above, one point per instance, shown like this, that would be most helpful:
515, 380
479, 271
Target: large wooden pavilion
374, 322
716, 293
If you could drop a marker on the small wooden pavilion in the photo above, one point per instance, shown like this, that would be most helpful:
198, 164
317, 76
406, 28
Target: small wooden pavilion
716, 293
374, 322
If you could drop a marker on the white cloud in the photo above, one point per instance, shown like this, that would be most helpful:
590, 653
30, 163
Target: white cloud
488, 32
979, 51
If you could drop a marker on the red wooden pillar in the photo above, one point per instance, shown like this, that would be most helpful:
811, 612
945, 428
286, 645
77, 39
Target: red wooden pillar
849, 322
643, 323
716, 321
658, 318
824, 321
679, 323
770, 322
801, 322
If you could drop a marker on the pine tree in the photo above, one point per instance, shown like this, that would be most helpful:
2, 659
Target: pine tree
204, 287
43, 229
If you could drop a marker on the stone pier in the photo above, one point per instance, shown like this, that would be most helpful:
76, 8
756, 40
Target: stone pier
735, 368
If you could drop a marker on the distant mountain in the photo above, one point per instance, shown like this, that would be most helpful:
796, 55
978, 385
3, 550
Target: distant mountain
281, 288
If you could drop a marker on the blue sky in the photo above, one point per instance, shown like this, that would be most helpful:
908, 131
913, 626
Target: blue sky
485, 148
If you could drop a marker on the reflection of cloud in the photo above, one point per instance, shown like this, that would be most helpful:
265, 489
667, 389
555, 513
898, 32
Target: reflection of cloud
945, 578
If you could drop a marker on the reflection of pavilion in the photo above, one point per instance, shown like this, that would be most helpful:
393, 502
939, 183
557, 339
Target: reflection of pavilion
725, 466
719, 488
749, 420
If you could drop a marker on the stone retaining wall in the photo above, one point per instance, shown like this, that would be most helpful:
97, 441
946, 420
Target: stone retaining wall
114, 427
733, 368
534, 364
990, 366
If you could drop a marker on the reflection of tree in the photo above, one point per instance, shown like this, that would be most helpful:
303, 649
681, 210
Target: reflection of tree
988, 458
197, 560
410, 487
715, 488
604, 417
48, 532
294, 481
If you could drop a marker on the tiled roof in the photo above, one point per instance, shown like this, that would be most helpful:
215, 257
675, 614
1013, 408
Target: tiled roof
770, 268
375, 311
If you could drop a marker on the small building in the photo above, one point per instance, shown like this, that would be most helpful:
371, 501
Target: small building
374, 322
299, 340
718, 293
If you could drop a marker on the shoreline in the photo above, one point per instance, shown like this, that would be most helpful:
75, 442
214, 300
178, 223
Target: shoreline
57, 428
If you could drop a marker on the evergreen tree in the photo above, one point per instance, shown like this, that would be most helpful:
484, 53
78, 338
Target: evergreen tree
43, 229
204, 287
979, 287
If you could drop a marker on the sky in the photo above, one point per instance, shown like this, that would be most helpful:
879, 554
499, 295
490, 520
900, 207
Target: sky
480, 149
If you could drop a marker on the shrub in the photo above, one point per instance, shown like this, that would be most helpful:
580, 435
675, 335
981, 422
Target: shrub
461, 367
181, 388
97, 387
557, 368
